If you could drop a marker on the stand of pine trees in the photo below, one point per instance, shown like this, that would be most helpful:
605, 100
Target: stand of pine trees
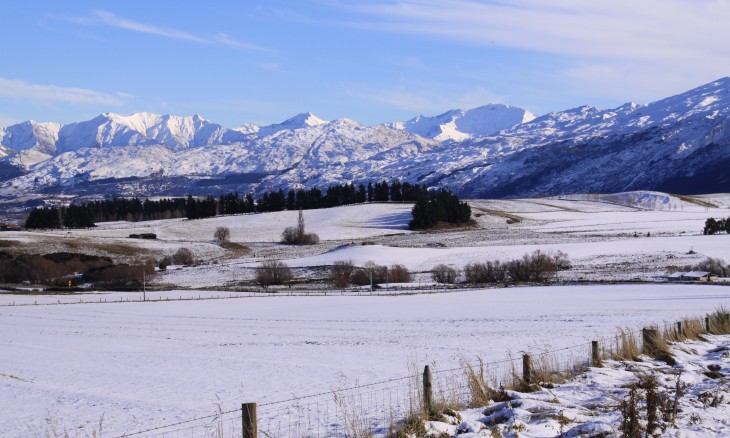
441, 205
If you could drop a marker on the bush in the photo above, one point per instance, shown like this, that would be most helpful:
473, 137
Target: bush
363, 276
487, 272
297, 235
341, 272
444, 274
399, 274
273, 272
538, 267
222, 235
183, 256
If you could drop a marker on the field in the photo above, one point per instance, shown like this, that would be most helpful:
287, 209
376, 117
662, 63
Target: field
116, 366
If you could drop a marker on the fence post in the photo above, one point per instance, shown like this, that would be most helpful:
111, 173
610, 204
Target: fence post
650, 336
248, 420
680, 333
427, 391
707, 324
595, 355
526, 369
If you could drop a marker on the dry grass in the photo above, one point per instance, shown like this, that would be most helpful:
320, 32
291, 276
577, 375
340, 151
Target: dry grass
626, 346
238, 249
548, 369
8, 243
720, 321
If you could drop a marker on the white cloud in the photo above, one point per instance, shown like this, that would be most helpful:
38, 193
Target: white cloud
22, 90
654, 29
646, 48
105, 18
110, 19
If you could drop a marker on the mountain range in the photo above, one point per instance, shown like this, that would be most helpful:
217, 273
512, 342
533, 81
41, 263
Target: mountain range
678, 144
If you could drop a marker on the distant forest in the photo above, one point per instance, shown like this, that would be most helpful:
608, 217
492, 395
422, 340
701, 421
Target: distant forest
434, 206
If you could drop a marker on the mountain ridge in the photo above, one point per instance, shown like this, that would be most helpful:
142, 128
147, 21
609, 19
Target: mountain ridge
680, 143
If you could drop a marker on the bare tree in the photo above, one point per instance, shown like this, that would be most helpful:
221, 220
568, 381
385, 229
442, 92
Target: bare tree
399, 274
222, 235
444, 274
341, 272
183, 256
273, 272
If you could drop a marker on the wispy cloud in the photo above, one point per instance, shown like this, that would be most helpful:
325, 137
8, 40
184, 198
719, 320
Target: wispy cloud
667, 42
109, 19
616, 28
19, 89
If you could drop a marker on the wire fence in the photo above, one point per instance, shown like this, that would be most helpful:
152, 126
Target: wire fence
377, 409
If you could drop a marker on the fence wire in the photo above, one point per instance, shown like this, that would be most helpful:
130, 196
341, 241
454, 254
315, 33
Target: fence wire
376, 409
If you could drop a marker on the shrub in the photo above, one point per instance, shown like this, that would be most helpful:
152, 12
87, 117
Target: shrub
399, 274
360, 277
222, 235
444, 274
487, 272
341, 272
363, 276
183, 256
273, 272
297, 235
538, 267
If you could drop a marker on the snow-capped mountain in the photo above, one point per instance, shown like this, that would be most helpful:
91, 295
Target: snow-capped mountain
458, 125
34, 142
299, 121
679, 144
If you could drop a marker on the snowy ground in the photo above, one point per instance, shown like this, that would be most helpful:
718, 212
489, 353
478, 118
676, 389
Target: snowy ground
135, 365
119, 365
590, 404
636, 235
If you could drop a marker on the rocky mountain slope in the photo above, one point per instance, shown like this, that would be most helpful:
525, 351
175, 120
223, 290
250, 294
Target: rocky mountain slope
678, 144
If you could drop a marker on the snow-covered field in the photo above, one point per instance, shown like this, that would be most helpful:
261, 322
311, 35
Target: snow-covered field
139, 365
121, 365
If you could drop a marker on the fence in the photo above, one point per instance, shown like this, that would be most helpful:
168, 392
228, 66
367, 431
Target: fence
376, 409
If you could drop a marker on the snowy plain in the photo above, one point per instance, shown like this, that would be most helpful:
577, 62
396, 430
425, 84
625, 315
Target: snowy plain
135, 365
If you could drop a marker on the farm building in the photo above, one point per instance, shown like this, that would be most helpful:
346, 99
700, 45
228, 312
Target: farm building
684, 277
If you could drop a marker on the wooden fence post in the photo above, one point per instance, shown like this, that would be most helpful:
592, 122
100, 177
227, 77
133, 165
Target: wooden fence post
650, 337
707, 324
427, 391
680, 333
248, 420
595, 355
526, 369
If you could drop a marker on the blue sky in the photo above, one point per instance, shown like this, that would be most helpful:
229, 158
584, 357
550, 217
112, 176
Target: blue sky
372, 61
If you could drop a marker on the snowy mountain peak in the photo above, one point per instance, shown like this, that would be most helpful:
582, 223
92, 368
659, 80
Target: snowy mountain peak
458, 125
300, 121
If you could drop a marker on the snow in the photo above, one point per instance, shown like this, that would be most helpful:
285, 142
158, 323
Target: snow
459, 125
589, 403
140, 365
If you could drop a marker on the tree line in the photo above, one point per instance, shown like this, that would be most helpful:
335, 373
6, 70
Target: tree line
431, 206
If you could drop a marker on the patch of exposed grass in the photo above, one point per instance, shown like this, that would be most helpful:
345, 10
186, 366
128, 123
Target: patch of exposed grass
626, 346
